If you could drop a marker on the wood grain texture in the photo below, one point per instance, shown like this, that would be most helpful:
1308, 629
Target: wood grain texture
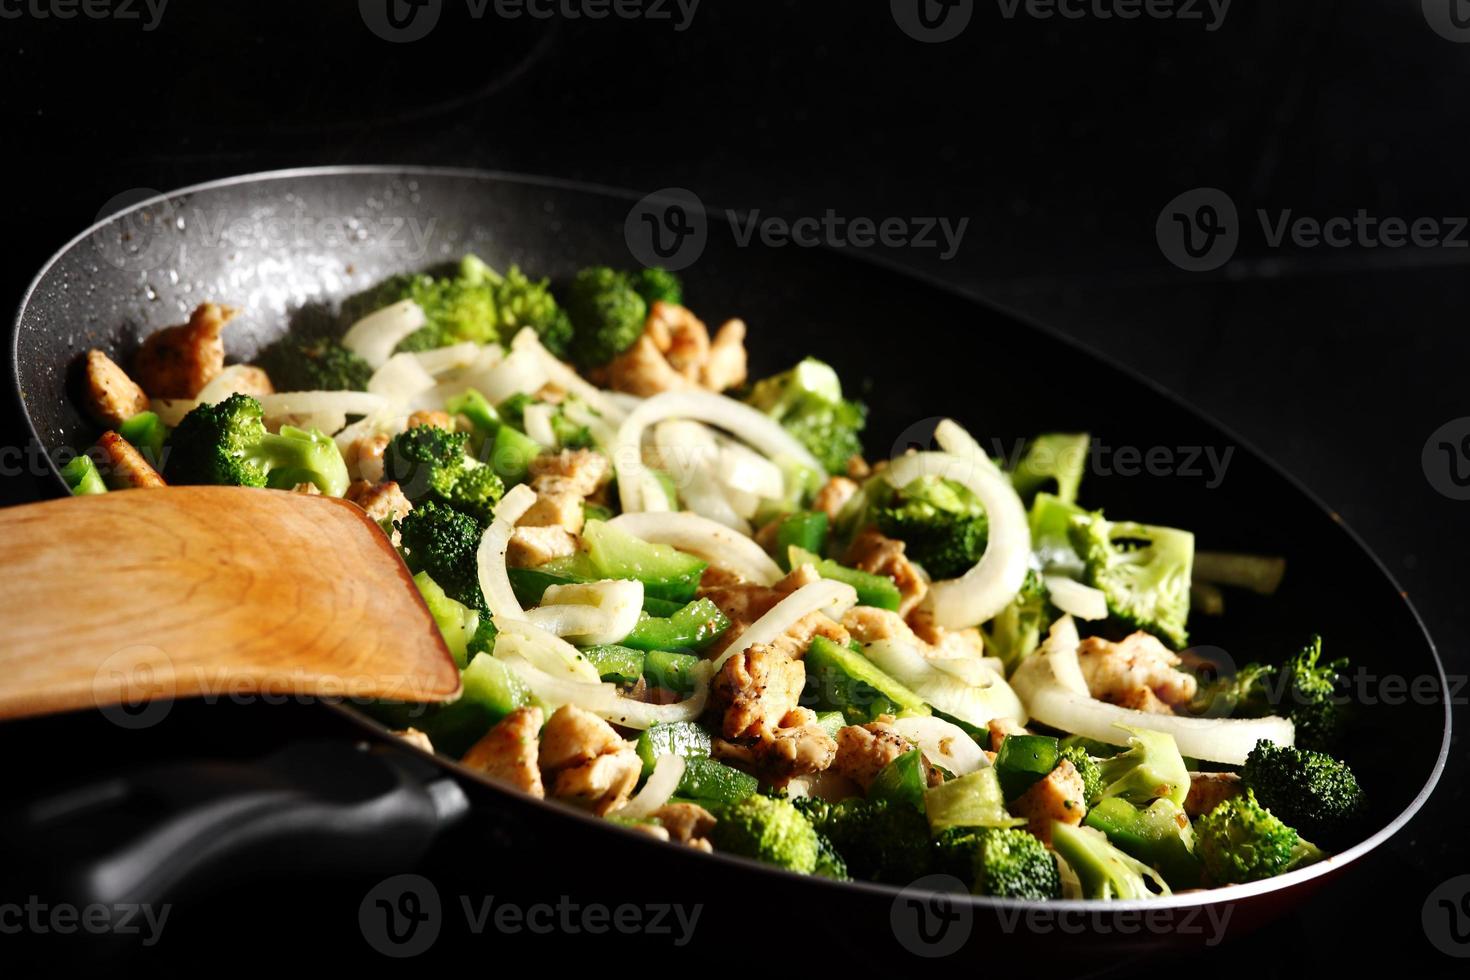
207, 591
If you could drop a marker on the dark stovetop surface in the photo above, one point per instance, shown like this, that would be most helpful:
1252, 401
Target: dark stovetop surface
1059, 140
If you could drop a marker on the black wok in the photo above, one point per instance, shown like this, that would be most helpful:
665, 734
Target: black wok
280, 245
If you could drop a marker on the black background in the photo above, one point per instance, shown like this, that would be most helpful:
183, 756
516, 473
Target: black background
1060, 140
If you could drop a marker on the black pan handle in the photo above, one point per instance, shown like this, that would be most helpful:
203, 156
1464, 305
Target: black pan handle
150, 836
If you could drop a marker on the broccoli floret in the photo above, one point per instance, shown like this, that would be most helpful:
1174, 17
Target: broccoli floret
1240, 840
1003, 862
607, 315
941, 524
569, 435
306, 363
227, 443
657, 284
1015, 632
442, 541
1087, 767
1053, 458
829, 862
1151, 768
769, 830
881, 840
1312, 791
429, 463
1304, 689
807, 401
458, 305
1102, 869
1144, 571
522, 302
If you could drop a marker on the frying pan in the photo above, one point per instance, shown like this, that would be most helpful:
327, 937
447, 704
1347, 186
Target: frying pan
287, 245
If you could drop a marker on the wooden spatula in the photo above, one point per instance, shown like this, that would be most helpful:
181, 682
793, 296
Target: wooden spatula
187, 591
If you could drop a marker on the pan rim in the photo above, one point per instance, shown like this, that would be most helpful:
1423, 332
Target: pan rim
1231, 893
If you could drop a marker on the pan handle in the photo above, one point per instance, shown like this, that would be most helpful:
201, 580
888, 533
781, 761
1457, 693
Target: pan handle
330, 805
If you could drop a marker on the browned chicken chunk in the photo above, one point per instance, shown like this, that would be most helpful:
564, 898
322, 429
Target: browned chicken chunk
111, 396
1208, 790
1058, 796
176, 362
872, 552
863, 751
754, 690
507, 753
1138, 672
122, 466
586, 762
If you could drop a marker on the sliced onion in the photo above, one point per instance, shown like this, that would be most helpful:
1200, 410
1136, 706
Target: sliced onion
988, 587
825, 595
553, 691
490, 558
617, 602
228, 382
641, 714
668, 769
374, 337
974, 704
1047, 680
972, 670
538, 423
580, 413
443, 360
750, 473
759, 430
543, 650
944, 743
518, 373
171, 411
1071, 596
325, 422
704, 538
400, 379
953, 439
312, 402
568, 620
567, 379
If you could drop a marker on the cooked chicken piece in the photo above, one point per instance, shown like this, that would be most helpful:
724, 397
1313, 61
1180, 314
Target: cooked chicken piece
686, 823
507, 752
755, 689
310, 489
604, 784
745, 603
947, 643
562, 482
434, 419
999, 728
872, 552
834, 495
380, 501
863, 751
415, 738
858, 468
715, 577
1138, 672
365, 456
765, 535
651, 829
176, 362
1208, 790
573, 736
680, 336
643, 371
123, 466
726, 366
868, 624
796, 747
1060, 795
111, 396
532, 546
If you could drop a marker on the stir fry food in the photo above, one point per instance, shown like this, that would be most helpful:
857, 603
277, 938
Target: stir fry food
685, 601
